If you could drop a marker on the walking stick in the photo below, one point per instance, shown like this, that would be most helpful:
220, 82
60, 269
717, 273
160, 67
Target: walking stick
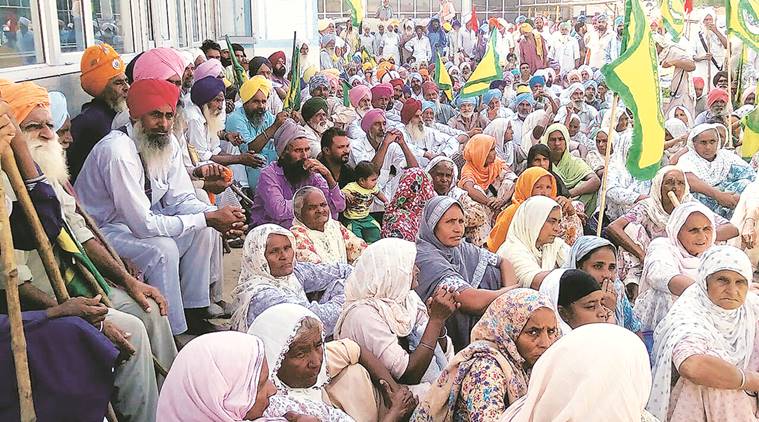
612, 130
18, 341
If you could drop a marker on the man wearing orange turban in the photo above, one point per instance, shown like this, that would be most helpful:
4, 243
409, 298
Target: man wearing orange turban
134, 310
136, 187
103, 78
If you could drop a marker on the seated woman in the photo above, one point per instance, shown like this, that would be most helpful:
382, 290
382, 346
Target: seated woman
270, 275
293, 339
385, 316
622, 189
401, 219
485, 177
671, 262
534, 181
540, 156
219, 376
681, 113
445, 177
745, 217
708, 342
318, 238
578, 177
578, 299
675, 136
647, 220
596, 157
493, 371
717, 176
445, 261
597, 360
533, 245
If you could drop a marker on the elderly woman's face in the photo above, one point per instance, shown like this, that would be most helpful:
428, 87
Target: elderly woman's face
727, 289
543, 186
279, 255
696, 234
266, 389
490, 159
315, 211
680, 114
602, 140
303, 361
442, 177
586, 310
551, 228
673, 181
574, 127
706, 145
450, 228
537, 335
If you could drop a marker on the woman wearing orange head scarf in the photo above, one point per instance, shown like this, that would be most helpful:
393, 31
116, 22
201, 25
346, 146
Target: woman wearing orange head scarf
485, 177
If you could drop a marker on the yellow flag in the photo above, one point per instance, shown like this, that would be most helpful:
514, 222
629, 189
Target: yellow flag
357, 11
743, 20
750, 123
489, 69
673, 15
443, 79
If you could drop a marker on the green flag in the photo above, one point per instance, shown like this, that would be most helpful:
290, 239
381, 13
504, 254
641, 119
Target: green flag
743, 20
489, 69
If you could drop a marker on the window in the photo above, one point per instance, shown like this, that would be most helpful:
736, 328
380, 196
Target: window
195, 20
21, 40
70, 26
181, 24
236, 18
112, 24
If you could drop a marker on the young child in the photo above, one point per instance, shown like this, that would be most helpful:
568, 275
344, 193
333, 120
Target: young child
362, 192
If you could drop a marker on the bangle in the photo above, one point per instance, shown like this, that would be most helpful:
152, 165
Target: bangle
445, 334
427, 346
102, 323
743, 379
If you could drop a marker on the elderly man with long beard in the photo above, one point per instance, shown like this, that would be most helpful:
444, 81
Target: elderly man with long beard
314, 113
292, 170
574, 103
429, 108
425, 142
103, 78
431, 92
136, 188
137, 323
468, 120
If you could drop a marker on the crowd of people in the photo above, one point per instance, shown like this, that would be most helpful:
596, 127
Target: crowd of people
405, 255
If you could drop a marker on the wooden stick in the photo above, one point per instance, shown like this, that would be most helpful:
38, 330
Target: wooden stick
673, 198
110, 414
18, 340
43, 244
92, 225
729, 105
612, 130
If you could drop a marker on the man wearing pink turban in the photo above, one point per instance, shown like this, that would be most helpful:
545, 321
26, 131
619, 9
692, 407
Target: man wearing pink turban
160, 63
211, 67
361, 99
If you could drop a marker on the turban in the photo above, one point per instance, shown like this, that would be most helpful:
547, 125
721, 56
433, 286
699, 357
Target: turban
288, 132
537, 80
252, 86
565, 25
455, 23
206, 89
429, 105
382, 91
416, 76
590, 83
100, 63
520, 19
396, 82
619, 20
523, 89
429, 86
524, 97
525, 28
146, 95
356, 78
381, 72
491, 95
322, 24
410, 107
23, 98
602, 18
366, 66
424, 72
58, 110
328, 38
698, 82
210, 67
276, 56
159, 63
317, 81
129, 71
357, 93
312, 106
466, 100
256, 63
187, 58
717, 76
716, 94
370, 118
309, 73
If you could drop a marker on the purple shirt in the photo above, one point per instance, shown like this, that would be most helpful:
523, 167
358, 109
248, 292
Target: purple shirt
273, 202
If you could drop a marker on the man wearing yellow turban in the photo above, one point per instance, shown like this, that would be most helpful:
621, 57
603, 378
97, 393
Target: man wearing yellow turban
256, 125
103, 78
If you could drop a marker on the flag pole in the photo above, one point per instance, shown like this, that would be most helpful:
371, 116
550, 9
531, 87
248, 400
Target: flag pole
729, 76
612, 130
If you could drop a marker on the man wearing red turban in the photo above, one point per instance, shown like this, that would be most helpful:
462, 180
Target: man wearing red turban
135, 186
426, 142
279, 71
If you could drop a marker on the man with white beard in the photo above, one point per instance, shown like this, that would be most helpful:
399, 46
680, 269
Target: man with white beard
467, 120
573, 99
429, 109
137, 324
361, 99
135, 187
524, 104
314, 113
427, 143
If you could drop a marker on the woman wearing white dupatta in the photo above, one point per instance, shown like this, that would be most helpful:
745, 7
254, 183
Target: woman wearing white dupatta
709, 339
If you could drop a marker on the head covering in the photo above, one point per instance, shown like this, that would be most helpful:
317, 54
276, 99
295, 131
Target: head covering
146, 95
698, 82
475, 153
23, 98
575, 285
276, 56
396, 82
214, 377
159, 63
206, 89
673, 111
357, 93
429, 86
720, 167
522, 191
100, 63
503, 148
381, 279
318, 81
588, 362
525, 28
370, 118
402, 213
252, 86
58, 109
571, 169
491, 95
524, 97
312, 106
694, 318
453, 191
288, 132
537, 80
493, 338
255, 65
676, 127
211, 67
466, 100
716, 94
653, 204
410, 107
382, 90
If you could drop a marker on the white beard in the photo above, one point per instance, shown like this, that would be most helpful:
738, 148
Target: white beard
361, 112
467, 115
415, 131
322, 127
214, 120
118, 106
51, 157
155, 151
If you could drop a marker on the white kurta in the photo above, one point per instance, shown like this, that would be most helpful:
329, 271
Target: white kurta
420, 48
433, 141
